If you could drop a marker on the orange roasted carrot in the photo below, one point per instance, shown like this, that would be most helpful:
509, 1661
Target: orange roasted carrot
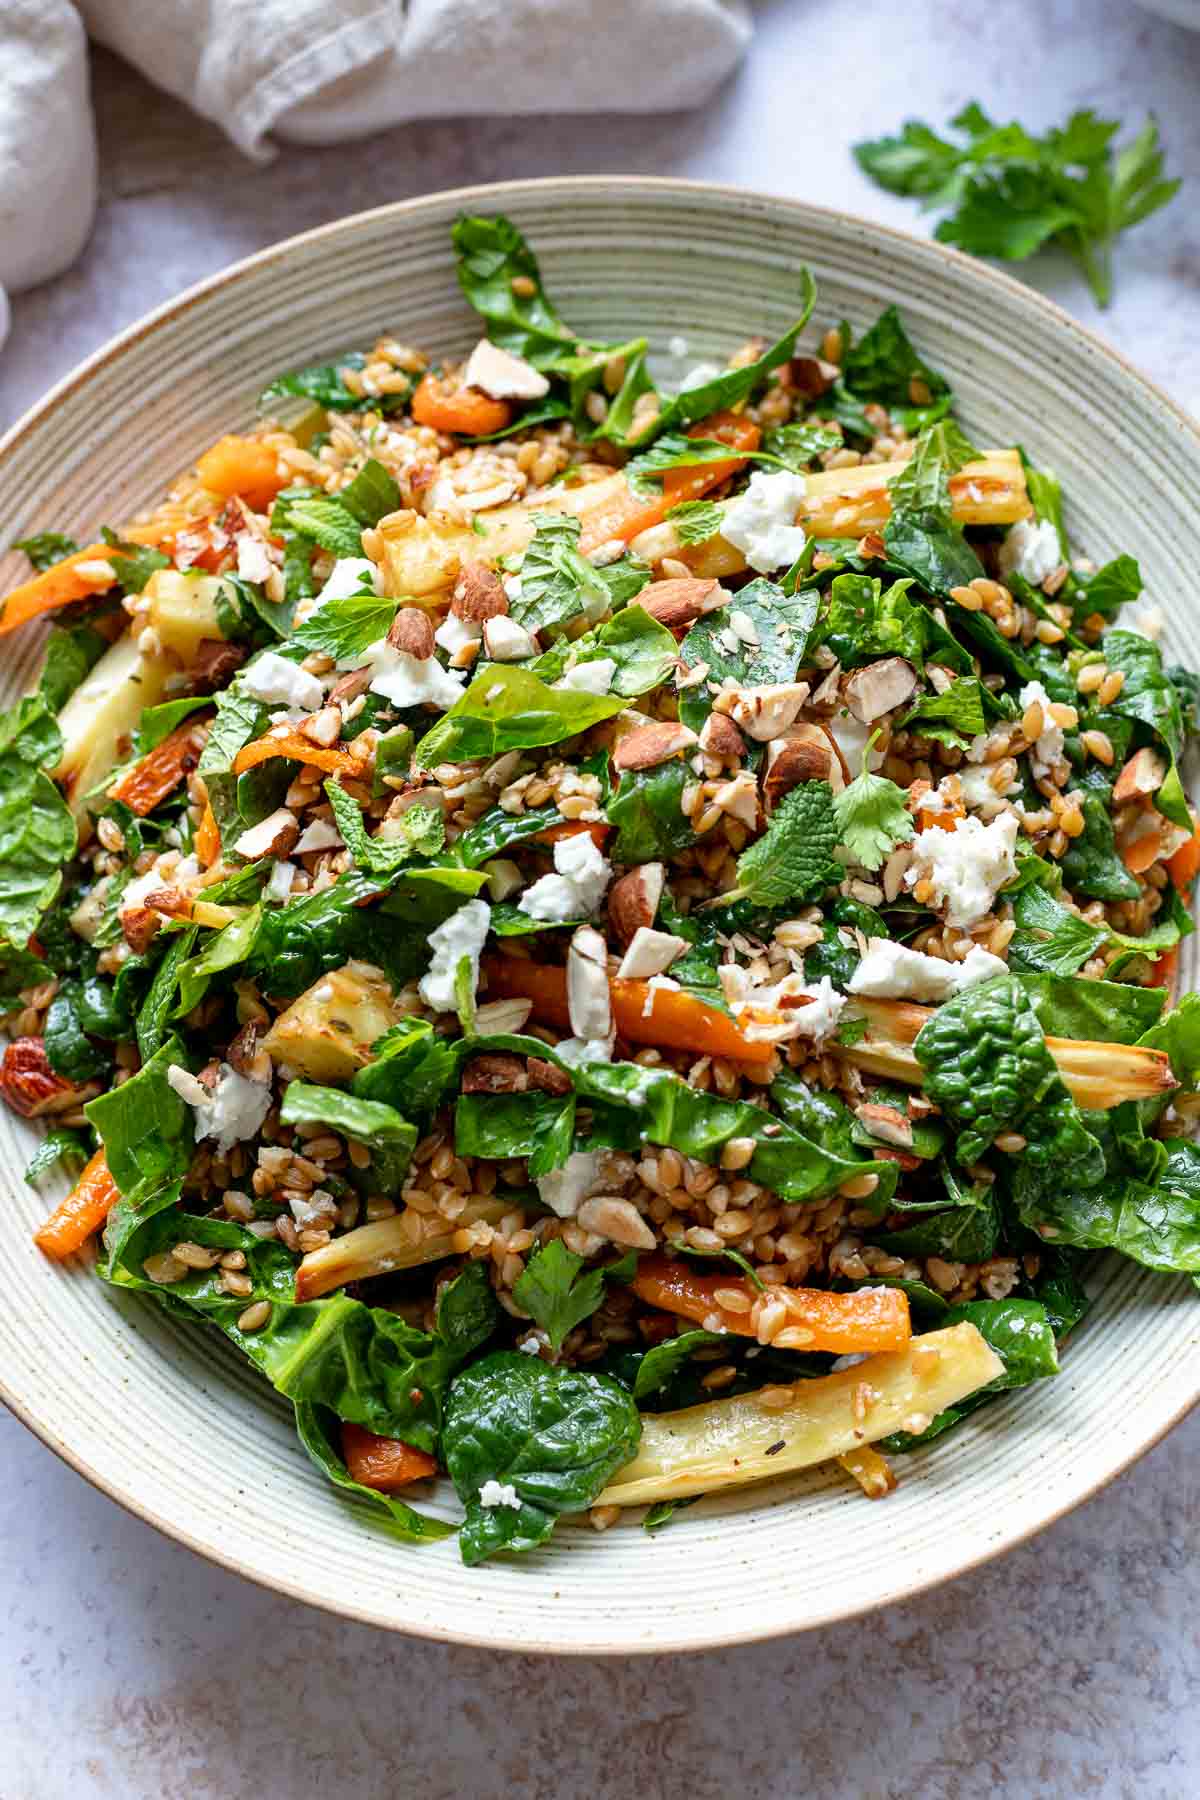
1165, 967
869, 1320
300, 749
380, 1462
242, 466
641, 1014
627, 513
84, 572
1184, 865
160, 771
459, 409
83, 1211
207, 843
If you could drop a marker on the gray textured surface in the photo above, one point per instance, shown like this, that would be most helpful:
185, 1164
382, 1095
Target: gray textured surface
1071, 1667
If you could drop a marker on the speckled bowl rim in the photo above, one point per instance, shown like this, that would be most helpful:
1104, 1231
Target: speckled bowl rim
478, 198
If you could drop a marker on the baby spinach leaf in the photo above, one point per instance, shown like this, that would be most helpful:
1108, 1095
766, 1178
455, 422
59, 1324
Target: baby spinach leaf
492, 255
1114, 585
1090, 864
967, 1234
1151, 699
389, 1136
801, 445
323, 383
863, 622
921, 535
372, 494
412, 1068
136, 563
533, 1124
72, 651
883, 364
556, 1292
68, 1050
1020, 1333
651, 823
954, 717
318, 1429
1178, 1033
155, 1011
555, 1435
510, 708
662, 1362
1151, 1216
987, 1067
1109, 1012
643, 651
794, 858
301, 941
60, 1145
37, 832
146, 1129
783, 626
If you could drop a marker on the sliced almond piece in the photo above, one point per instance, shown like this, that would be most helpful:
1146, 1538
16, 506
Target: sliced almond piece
588, 1001
633, 901
879, 687
1143, 774
411, 632
763, 712
495, 1074
502, 375
616, 1219
720, 737
648, 745
807, 753
681, 600
650, 953
811, 375
887, 1123
478, 594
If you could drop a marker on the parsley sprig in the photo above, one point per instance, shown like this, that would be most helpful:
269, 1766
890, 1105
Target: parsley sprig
1008, 193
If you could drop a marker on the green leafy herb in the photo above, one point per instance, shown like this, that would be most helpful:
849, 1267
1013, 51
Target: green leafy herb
882, 368
323, 383
1009, 193
783, 627
557, 583
556, 1436
37, 832
319, 1431
325, 521
45, 548
643, 652
346, 627
800, 446
794, 858
136, 563
72, 652
953, 717
379, 1127
872, 817
421, 831
60, 1146
510, 708
648, 814
696, 521
556, 1292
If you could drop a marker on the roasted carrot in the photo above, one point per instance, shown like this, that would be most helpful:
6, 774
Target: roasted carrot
84, 572
459, 409
242, 466
1184, 865
627, 513
871, 1319
208, 839
300, 749
381, 1462
641, 1014
83, 1211
1165, 968
160, 771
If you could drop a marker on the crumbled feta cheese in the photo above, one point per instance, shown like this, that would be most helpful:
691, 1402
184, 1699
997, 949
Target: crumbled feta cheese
564, 1190
321, 834
444, 497
677, 345
498, 1493
700, 375
968, 865
231, 1113
408, 680
1049, 747
454, 634
502, 375
253, 559
577, 887
258, 839
894, 972
776, 1012
531, 1345
349, 575
610, 551
761, 523
134, 895
274, 680
574, 1051
743, 627
1032, 550
506, 641
462, 934
593, 677
1149, 622
512, 586
280, 884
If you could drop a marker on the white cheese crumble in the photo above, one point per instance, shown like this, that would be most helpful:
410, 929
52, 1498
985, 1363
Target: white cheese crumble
978, 793
677, 345
280, 884
502, 375
349, 575
700, 375
577, 887
500, 1493
462, 934
136, 890
777, 1012
1049, 746
564, 1190
454, 634
506, 641
1031, 550
894, 972
593, 677
968, 865
1149, 622
761, 523
275, 681
408, 680
575, 1051
512, 586
231, 1113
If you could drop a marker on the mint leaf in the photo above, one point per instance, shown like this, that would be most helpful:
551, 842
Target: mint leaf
793, 860
421, 831
696, 521
346, 627
557, 583
952, 718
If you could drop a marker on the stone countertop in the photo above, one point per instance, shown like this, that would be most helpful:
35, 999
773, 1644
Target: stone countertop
1072, 1666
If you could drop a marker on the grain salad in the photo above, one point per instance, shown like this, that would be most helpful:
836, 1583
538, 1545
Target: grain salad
616, 941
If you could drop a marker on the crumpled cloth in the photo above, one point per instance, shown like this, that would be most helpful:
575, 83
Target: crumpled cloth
320, 71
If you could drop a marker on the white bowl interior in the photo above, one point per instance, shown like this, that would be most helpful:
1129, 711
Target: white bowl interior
170, 1420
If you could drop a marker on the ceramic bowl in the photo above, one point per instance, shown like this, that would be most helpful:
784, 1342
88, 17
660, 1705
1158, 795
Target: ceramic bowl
167, 1419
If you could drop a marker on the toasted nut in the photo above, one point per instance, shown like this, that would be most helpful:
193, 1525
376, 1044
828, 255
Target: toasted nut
616, 1219
879, 687
633, 901
805, 754
763, 712
213, 664
494, 1074
588, 1000
243, 1047
478, 593
887, 1123
28, 1083
720, 737
811, 375
651, 953
547, 1076
169, 900
681, 601
411, 632
1142, 775
648, 745
349, 687
138, 926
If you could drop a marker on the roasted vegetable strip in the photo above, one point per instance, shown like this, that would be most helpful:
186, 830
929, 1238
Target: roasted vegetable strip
871, 1319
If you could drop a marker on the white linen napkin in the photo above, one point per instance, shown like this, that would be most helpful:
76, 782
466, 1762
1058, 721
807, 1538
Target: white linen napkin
320, 71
